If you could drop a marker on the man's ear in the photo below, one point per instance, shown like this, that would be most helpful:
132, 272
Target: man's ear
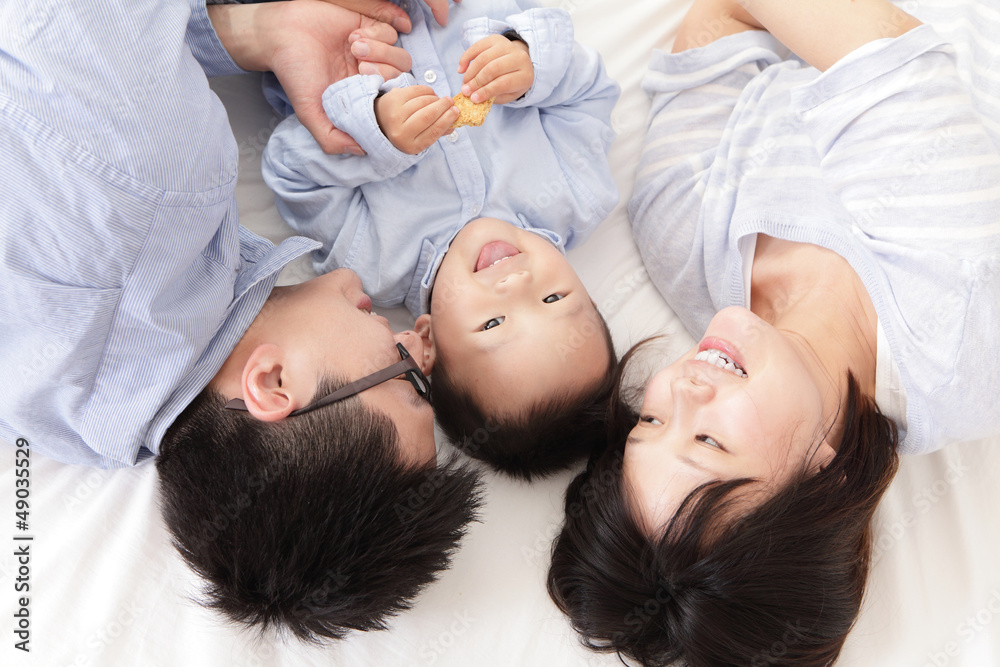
265, 391
423, 328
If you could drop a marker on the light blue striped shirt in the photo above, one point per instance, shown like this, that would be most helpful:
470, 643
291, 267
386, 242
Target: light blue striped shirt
126, 279
891, 158
539, 162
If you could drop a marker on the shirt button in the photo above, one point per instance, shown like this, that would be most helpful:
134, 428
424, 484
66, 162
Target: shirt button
430, 76
474, 210
453, 137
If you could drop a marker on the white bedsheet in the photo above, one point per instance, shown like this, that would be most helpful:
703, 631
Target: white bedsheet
108, 589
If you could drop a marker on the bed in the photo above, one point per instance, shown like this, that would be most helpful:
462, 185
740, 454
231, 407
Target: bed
106, 587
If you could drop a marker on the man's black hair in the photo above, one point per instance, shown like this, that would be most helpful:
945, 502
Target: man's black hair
312, 524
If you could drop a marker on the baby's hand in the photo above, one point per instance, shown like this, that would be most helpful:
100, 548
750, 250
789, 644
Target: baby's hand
496, 67
413, 118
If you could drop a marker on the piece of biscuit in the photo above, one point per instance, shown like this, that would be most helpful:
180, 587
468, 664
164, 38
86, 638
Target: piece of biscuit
471, 113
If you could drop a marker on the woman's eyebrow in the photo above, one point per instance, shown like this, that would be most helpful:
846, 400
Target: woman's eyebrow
696, 465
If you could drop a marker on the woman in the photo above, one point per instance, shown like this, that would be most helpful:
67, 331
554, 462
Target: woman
829, 230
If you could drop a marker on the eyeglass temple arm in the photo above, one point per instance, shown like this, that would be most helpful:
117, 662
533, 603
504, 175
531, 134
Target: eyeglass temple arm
347, 390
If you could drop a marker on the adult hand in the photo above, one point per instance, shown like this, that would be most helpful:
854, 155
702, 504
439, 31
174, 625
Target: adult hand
382, 10
309, 44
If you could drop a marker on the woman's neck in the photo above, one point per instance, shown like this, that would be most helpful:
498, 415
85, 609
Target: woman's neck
814, 295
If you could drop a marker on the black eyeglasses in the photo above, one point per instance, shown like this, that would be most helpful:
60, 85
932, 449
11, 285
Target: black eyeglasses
407, 365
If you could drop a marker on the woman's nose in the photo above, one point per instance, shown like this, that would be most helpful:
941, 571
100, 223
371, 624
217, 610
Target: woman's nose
692, 389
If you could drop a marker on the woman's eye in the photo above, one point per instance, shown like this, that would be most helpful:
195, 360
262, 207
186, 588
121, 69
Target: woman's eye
710, 441
495, 322
552, 298
652, 420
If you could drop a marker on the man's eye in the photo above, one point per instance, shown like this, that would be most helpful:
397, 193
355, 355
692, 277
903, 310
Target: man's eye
495, 322
552, 298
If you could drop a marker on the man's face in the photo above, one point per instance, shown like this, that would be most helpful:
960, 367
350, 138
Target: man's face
325, 326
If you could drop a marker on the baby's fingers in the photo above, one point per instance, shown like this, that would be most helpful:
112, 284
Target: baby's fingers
439, 127
474, 51
408, 94
498, 78
427, 122
502, 90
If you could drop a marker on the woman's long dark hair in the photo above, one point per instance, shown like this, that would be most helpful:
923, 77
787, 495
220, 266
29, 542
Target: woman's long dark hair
779, 584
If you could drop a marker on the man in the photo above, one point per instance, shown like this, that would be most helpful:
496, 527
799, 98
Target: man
133, 306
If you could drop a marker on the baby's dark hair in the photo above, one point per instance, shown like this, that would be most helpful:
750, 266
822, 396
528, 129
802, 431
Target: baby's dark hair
313, 524
778, 584
550, 437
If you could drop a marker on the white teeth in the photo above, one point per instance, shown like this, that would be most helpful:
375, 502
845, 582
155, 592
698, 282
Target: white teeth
719, 359
499, 260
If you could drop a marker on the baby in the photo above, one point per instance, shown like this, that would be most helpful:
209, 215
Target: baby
467, 227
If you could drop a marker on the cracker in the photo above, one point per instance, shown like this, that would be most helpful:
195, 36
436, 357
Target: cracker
471, 113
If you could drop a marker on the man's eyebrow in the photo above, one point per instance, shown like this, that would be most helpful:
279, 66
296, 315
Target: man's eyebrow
416, 400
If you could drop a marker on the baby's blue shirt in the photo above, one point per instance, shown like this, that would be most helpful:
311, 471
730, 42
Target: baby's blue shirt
539, 162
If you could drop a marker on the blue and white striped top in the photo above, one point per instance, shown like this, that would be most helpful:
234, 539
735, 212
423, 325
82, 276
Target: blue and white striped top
891, 158
125, 277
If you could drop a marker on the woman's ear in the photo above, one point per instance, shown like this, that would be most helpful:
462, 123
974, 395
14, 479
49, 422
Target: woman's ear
822, 457
423, 328
265, 391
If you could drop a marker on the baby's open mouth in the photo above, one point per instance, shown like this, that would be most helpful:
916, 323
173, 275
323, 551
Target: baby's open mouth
493, 253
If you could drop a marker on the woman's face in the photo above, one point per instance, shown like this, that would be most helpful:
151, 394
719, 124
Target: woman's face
748, 401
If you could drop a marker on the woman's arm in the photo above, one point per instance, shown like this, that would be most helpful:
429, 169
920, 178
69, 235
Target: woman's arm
821, 32
709, 20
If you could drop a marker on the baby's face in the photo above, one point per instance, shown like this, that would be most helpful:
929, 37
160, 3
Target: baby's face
513, 320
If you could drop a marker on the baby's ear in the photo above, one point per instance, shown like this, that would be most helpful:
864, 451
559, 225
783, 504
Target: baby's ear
423, 328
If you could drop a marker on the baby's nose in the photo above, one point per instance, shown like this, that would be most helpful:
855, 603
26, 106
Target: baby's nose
513, 280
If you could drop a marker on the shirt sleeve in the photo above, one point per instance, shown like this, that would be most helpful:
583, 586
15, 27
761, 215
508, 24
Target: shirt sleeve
574, 97
350, 106
693, 93
309, 196
320, 195
303, 176
204, 43
566, 73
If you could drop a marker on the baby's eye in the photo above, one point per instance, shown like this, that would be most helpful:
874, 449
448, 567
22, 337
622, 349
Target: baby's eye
709, 440
495, 322
552, 298
651, 420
